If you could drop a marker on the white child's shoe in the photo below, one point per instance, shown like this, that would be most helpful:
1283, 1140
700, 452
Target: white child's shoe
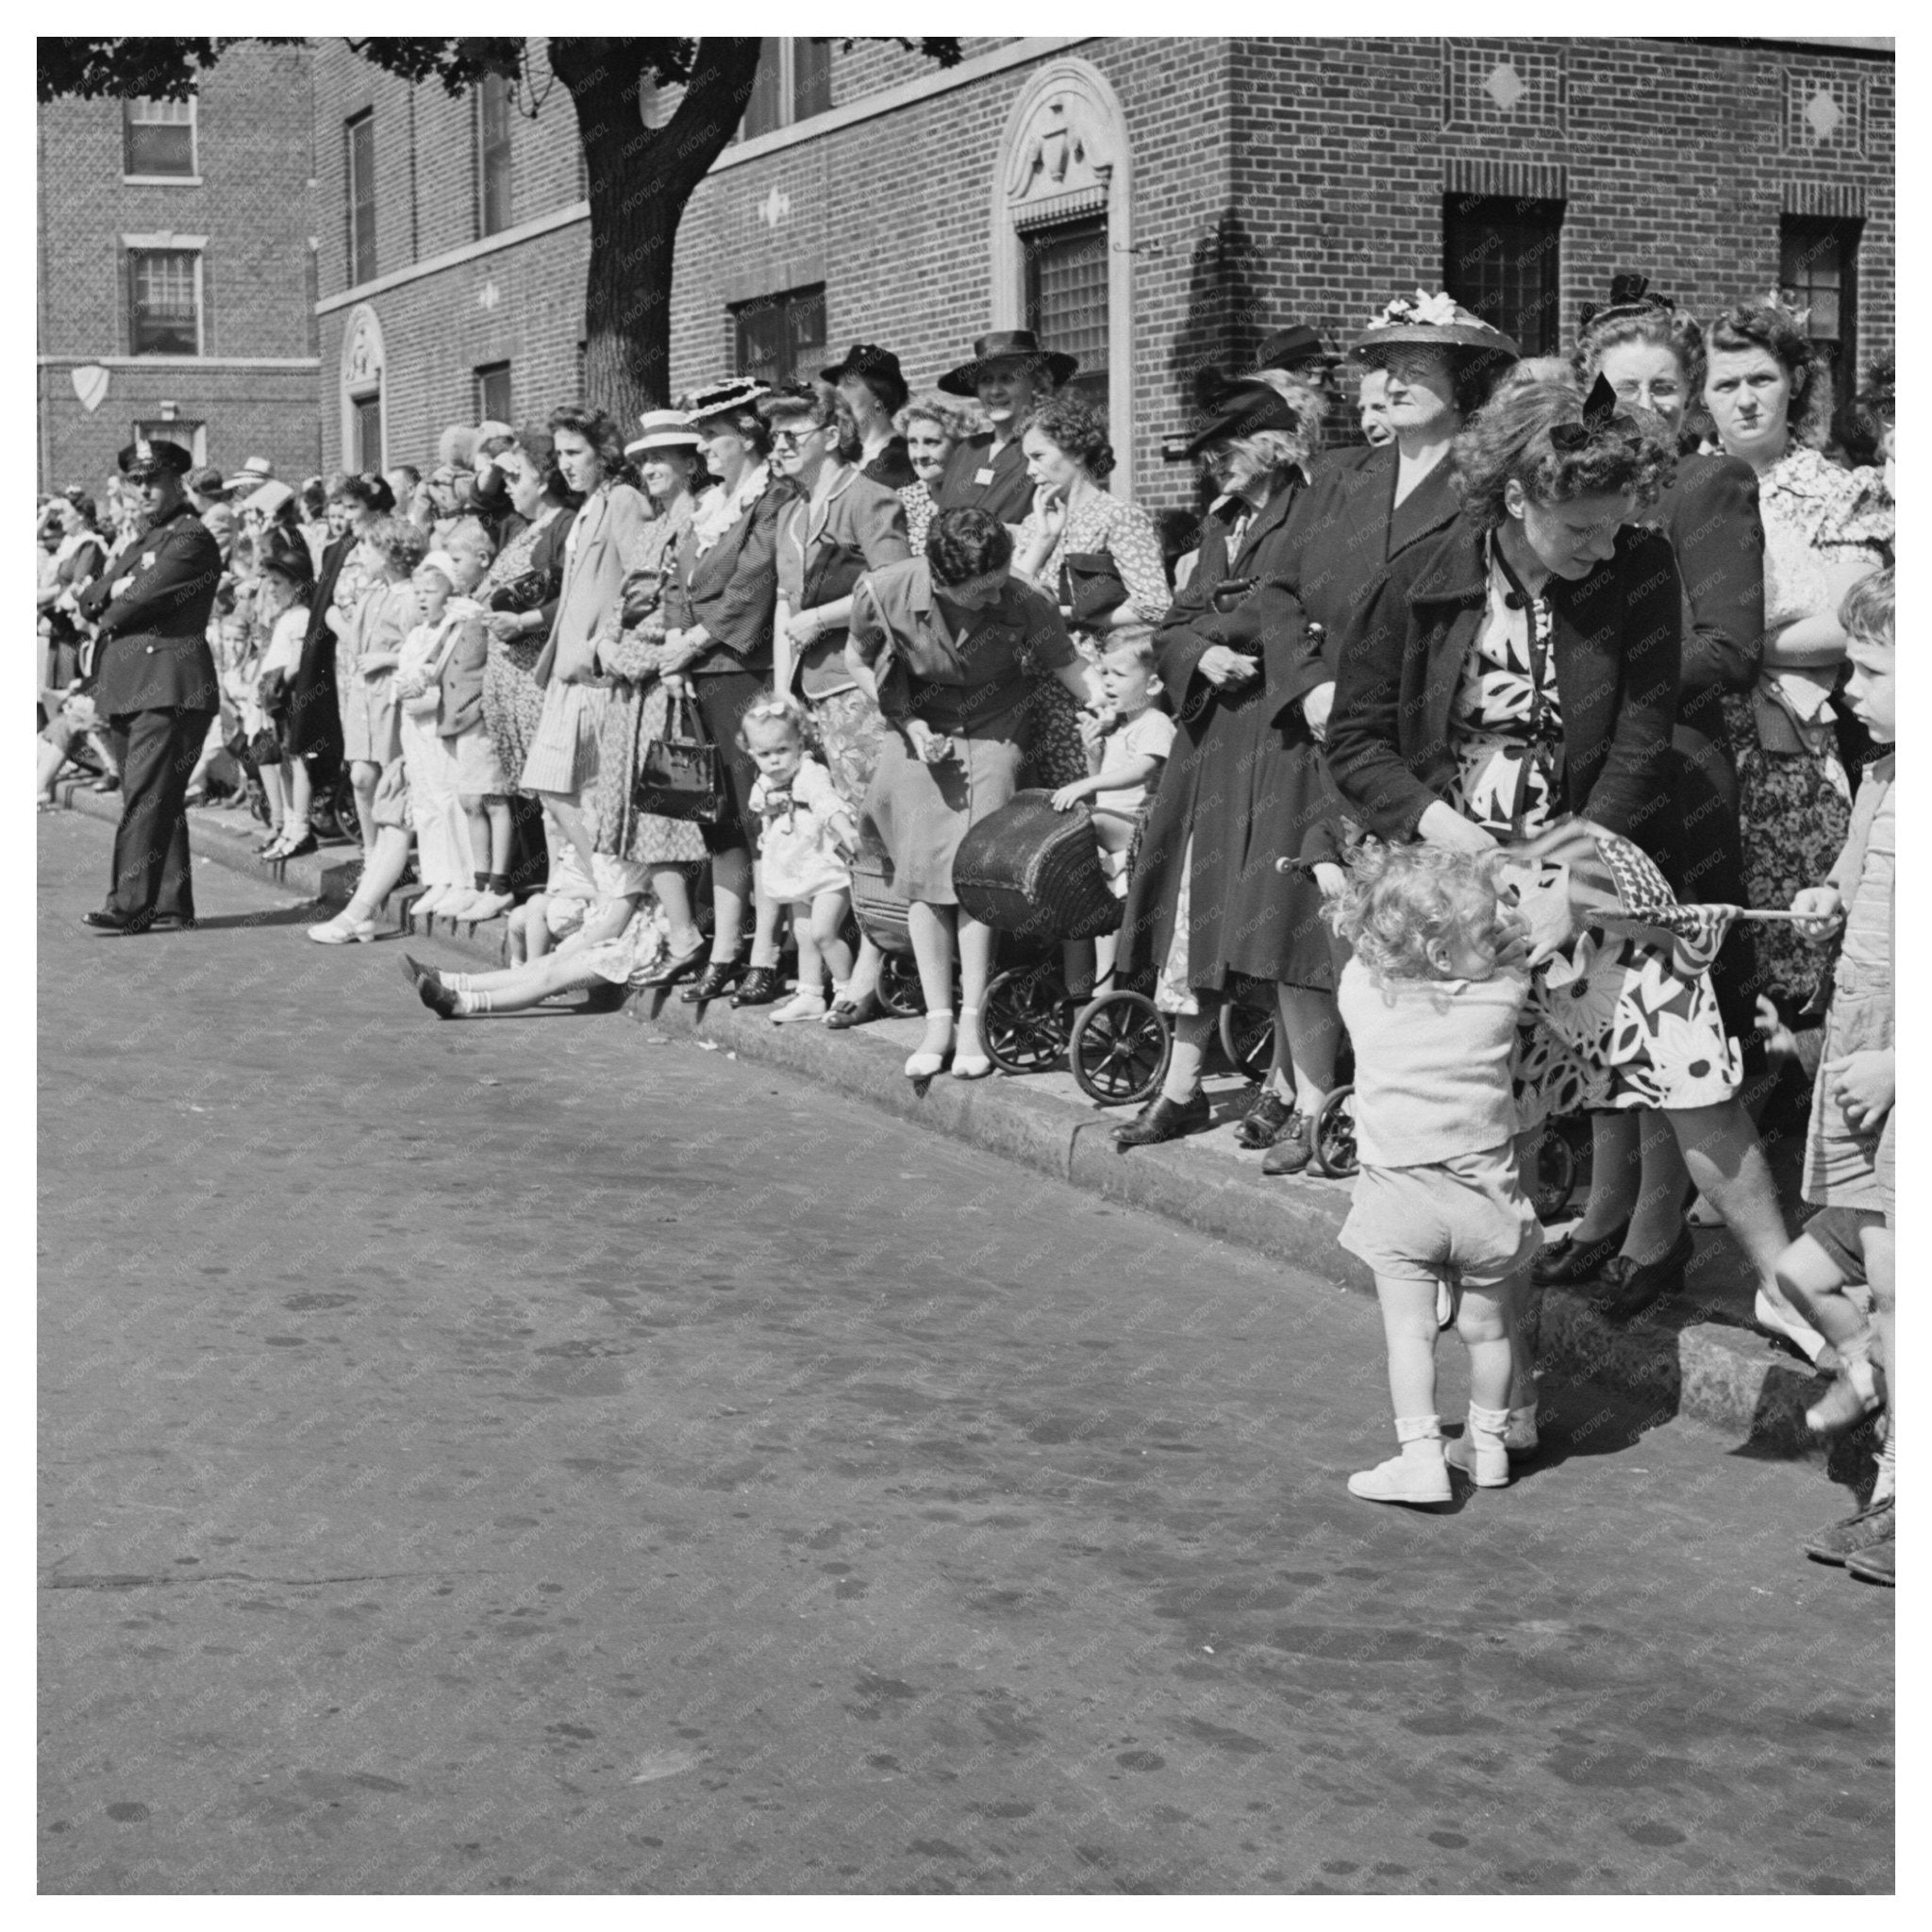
489, 905
1482, 1453
801, 1006
341, 931
1419, 1474
426, 905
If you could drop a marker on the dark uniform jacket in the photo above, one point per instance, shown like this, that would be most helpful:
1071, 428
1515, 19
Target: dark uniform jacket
1010, 494
732, 589
151, 653
1616, 639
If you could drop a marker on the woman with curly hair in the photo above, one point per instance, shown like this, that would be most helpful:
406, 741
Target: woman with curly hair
562, 763
389, 550
933, 426
960, 630
1795, 794
1523, 669
1244, 784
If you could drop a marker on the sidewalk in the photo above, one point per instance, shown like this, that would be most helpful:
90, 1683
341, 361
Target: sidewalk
1697, 1357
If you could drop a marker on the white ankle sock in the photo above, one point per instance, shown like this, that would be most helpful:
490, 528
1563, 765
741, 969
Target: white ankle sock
472, 1002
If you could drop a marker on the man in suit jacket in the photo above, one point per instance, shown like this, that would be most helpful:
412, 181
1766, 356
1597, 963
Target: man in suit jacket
155, 684
1009, 373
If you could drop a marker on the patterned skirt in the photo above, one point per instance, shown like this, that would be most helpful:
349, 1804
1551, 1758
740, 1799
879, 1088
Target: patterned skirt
512, 703
563, 753
632, 720
851, 729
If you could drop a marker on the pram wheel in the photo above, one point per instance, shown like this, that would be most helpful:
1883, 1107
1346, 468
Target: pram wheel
1024, 1021
1334, 1136
1119, 1048
1247, 1031
899, 988
341, 807
1554, 1169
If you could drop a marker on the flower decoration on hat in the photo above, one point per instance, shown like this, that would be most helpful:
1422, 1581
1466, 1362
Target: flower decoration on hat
1439, 311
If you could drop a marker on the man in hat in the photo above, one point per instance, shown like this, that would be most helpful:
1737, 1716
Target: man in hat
1009, 373
253, 475
1299, 351
209, 493
155, 685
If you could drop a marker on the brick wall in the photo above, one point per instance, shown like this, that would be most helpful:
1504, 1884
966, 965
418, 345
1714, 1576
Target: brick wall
254, 201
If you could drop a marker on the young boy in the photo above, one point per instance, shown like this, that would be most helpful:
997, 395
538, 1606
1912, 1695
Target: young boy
1849, 1173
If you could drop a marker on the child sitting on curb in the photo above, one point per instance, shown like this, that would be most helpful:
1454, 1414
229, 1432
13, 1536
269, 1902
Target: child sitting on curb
1432, 999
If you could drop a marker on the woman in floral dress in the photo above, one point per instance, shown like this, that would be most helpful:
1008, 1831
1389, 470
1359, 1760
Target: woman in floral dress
1521, 669
1794, 798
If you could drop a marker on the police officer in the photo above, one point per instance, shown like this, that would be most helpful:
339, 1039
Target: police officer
155, 685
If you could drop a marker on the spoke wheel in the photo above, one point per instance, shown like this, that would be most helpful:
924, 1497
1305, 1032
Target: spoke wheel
1023, 1021
1247, 1032
1119, 1048
1555, 1174
899, 988
1334, 1136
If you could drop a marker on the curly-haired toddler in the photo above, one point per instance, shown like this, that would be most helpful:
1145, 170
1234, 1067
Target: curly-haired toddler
1432, 998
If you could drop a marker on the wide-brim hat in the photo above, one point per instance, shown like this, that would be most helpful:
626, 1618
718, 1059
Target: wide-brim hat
269, 498
662, 430
254, 471
144, 458
1295, 348
1434, 322
1238, 408
722, 398
1003, 345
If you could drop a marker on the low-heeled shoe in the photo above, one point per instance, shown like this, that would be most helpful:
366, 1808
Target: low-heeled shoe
761, 987
721, 976
669, 971
1265, 1122
1165, 1119
1635, 1286
1295, 1149
1565, 1260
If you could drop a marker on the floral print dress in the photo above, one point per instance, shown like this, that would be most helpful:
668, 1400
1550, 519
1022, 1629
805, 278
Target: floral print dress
512, 698
1614, 1021
1795, 798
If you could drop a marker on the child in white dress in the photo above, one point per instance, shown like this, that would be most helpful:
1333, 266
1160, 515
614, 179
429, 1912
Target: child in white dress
1432, 999
806, 840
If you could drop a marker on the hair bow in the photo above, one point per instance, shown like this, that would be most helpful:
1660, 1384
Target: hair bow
1599, 412
1629, 295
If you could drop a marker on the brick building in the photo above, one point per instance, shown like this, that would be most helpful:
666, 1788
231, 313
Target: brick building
176, 272
1150, 203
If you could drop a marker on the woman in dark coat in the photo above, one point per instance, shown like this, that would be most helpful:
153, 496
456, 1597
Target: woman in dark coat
1523, 669
1653, 357
721, 597
1438, 363
1244, 784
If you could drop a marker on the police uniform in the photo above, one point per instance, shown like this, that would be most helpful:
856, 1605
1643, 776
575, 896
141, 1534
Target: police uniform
155, 685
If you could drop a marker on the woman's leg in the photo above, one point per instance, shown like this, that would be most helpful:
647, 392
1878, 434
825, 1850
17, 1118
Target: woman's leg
975, 970
519, 988
864, 982
477, 822
931, 928
1656, 1220
1616, 1176
731, 887
1308, 1036
362, 778
381, 871
301, 795
1192, 1032
566, 809
496, 809
1727, 1164
766, 915
672, 890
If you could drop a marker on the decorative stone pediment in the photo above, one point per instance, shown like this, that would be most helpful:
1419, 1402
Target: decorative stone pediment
362, 353
1065, 150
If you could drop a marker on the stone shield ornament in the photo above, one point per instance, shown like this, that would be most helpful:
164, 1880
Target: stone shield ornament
91, 386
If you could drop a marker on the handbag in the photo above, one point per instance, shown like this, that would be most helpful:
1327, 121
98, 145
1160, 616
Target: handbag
265, 748
1091, 587
529, 591
678, 775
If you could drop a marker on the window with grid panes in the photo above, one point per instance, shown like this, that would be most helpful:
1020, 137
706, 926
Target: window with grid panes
779, 338
1500, 261
358, 140
1818, 269
492, 155
1066, 299
164, 301
158, 138
492, 393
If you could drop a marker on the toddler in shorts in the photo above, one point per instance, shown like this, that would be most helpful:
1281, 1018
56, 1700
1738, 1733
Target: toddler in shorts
1432, 998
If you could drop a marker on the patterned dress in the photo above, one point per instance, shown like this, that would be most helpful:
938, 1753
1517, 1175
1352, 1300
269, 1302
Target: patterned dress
1794, 806
1613, 1021
512, 698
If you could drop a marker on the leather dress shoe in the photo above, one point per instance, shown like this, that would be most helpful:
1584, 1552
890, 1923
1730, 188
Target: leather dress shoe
848, 1013
759, 988
1635, 1286
1265, 1122
1165, 1119
110, 921
1559, 1263
721, 976
669, 971
1294, 1148
437, 996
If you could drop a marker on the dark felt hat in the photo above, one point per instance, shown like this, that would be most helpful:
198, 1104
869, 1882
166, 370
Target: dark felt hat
868, 359
143, 459
1006, 344
1238, 408
1295, 348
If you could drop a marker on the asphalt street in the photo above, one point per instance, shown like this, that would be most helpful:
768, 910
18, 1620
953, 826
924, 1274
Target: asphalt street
508, 1456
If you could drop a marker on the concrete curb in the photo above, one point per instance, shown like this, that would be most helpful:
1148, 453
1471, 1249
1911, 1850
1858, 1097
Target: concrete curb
1723, 1375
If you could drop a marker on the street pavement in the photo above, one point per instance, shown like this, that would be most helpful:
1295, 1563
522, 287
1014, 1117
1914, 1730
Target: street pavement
507, 1456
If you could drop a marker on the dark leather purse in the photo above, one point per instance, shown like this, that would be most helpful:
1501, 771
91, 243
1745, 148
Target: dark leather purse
678, 775
1091, 587
530, 591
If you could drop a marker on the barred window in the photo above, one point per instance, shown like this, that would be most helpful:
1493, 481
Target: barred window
158, 138
1500, 261
1818, 269
492, 393
1067, 298
780, 338
164, 301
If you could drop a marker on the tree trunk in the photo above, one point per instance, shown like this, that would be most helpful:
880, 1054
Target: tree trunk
640, 184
